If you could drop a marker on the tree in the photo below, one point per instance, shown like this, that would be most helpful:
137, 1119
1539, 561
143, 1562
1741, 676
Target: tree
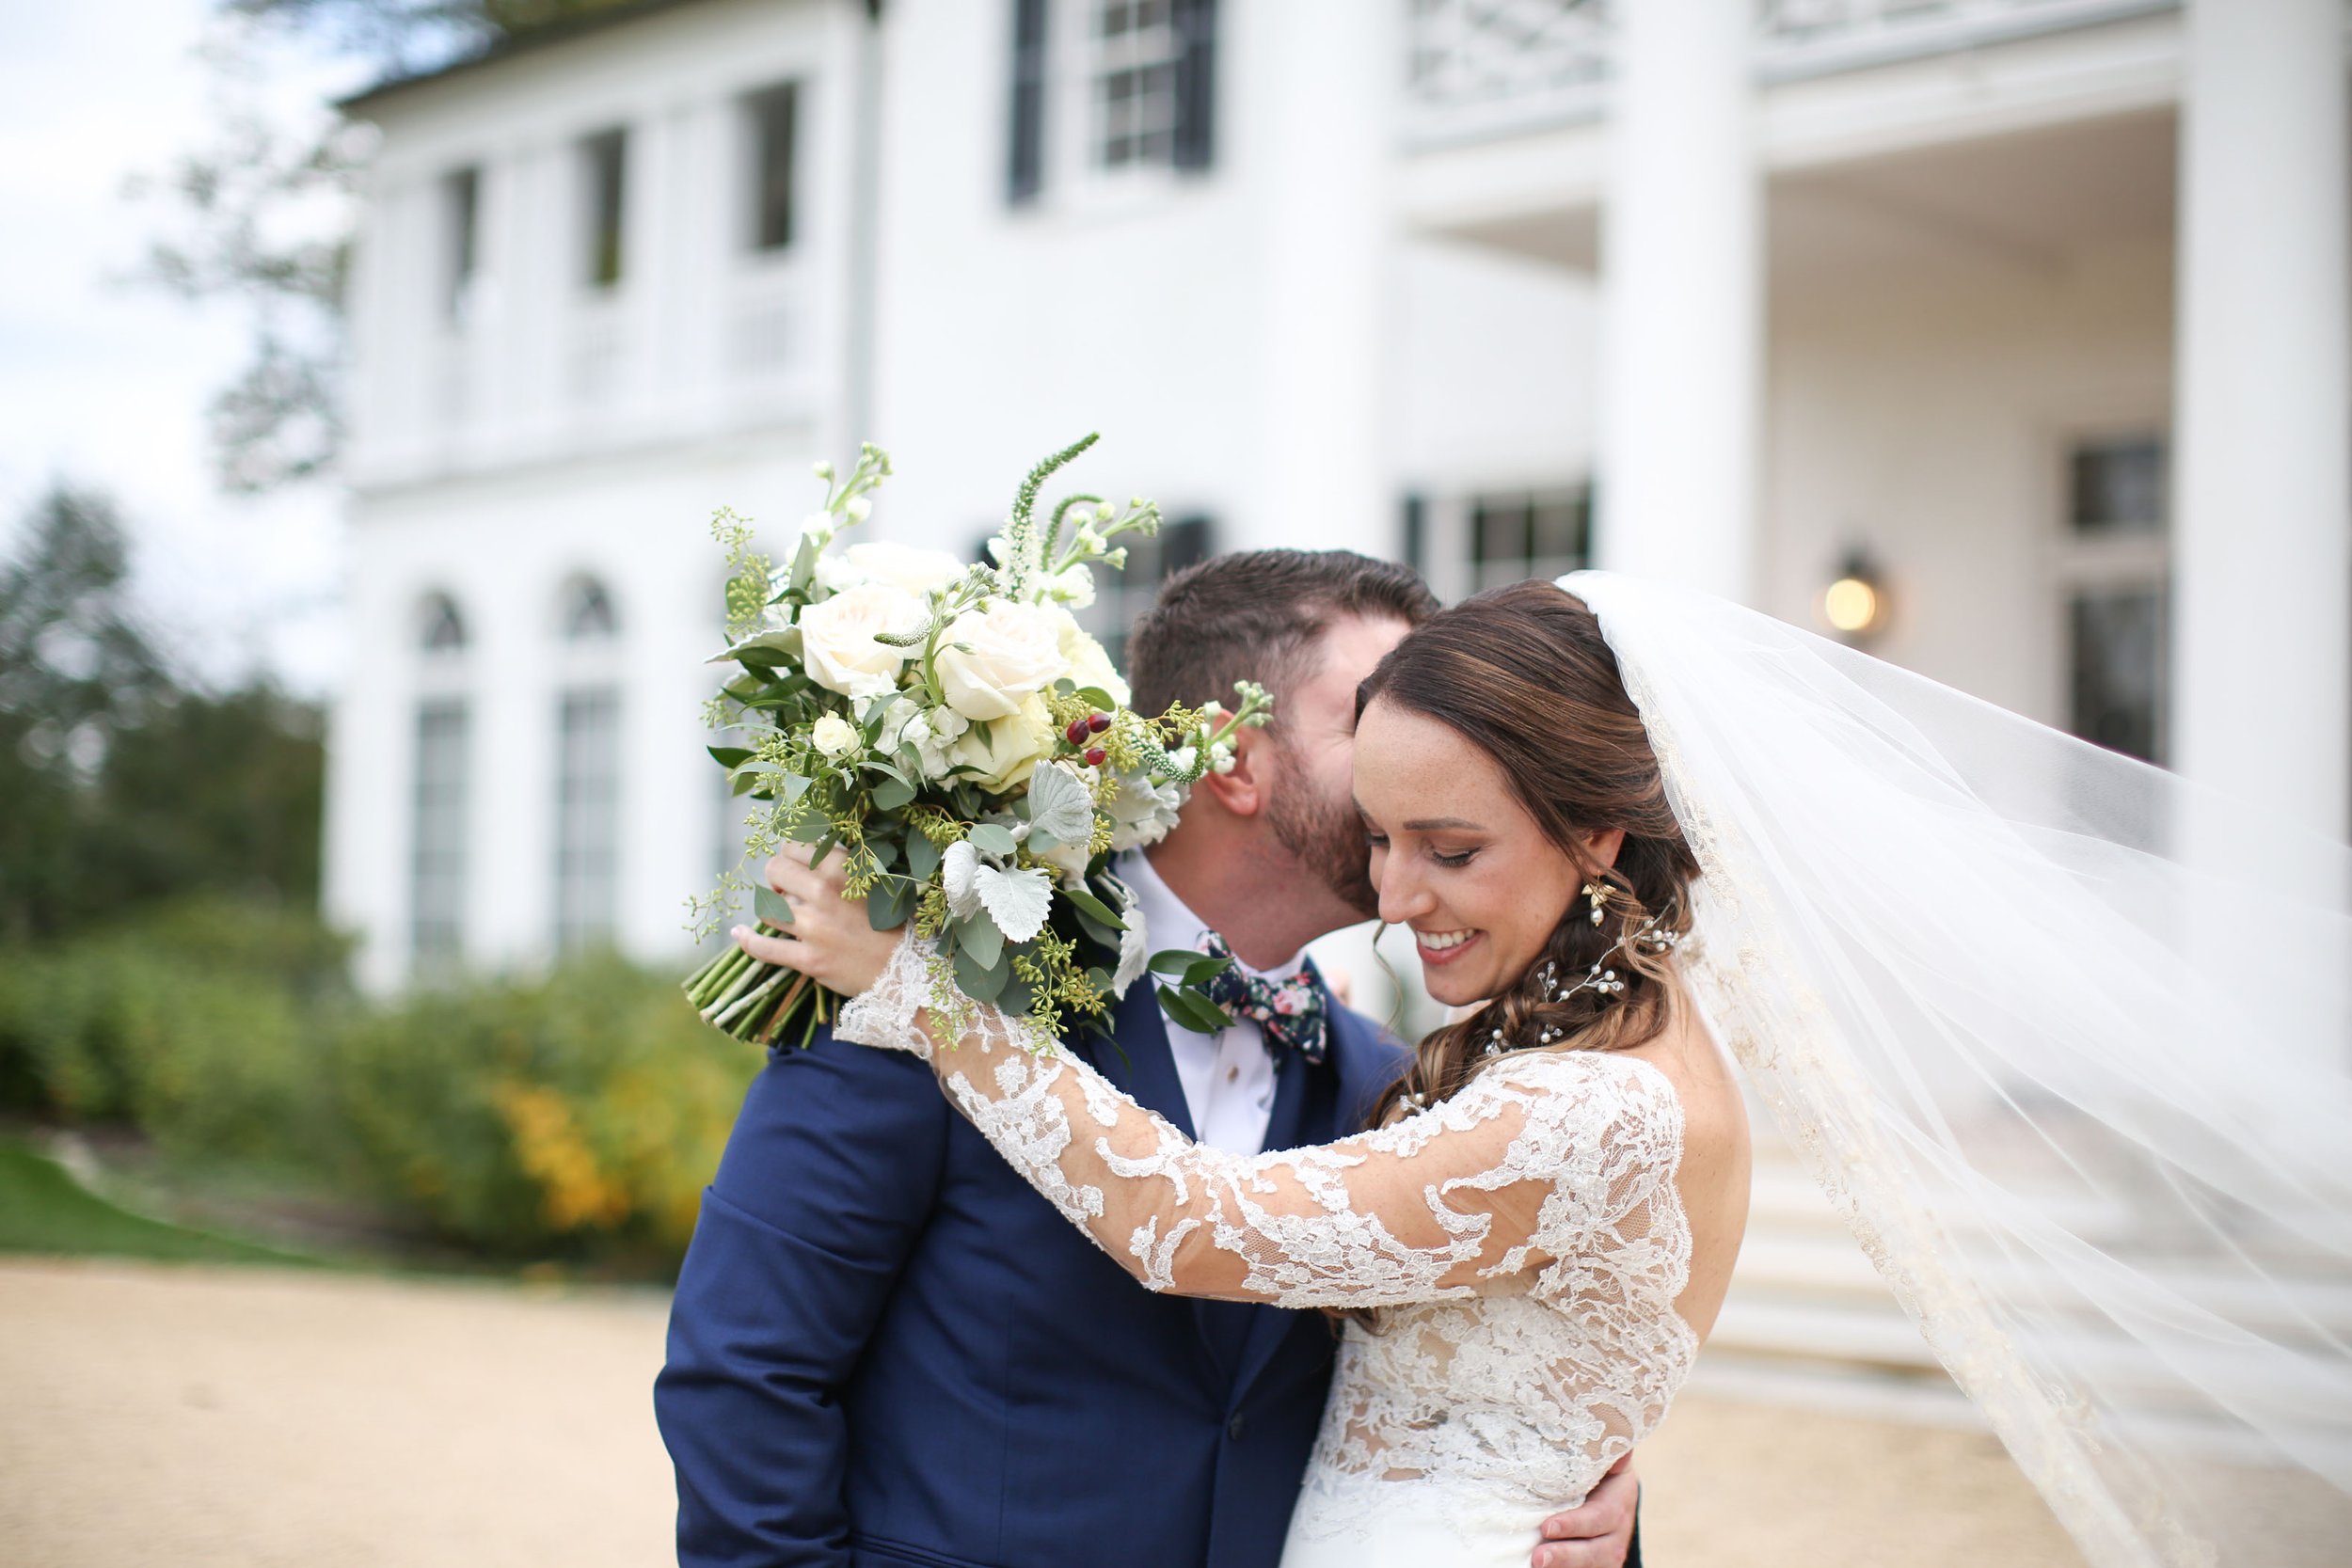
123, 784
260, 212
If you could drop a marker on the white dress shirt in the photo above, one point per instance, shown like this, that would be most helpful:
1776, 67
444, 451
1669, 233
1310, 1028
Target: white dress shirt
1227, 1076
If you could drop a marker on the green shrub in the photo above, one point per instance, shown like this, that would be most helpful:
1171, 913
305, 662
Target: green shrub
203, 1023
579, 1115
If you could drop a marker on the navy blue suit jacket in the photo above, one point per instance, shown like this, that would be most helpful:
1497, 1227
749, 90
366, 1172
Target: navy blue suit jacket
886, 1349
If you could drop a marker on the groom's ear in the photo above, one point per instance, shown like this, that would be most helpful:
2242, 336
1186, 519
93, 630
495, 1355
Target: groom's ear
1242, 790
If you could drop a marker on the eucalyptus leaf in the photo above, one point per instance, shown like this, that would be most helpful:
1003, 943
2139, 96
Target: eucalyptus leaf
979, 937
990, 839
729, 756
1173, 960
922, 857
889, 904
770, 906
980, 982
891, 793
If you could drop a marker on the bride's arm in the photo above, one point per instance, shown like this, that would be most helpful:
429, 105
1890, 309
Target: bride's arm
1514, 1172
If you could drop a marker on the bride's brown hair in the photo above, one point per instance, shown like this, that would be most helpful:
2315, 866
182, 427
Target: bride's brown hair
1524, 675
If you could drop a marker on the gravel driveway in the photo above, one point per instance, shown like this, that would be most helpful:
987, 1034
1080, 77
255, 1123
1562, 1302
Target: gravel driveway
247, 1418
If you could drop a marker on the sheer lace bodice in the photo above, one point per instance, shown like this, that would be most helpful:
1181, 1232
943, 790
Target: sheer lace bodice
1524, 1239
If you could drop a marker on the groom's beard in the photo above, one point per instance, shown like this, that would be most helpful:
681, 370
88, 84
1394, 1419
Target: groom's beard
1325, 836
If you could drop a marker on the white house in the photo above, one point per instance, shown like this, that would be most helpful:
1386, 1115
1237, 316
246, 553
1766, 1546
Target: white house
2030, 314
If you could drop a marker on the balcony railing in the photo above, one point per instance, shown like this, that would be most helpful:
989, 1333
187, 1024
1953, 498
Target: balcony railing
1482, 67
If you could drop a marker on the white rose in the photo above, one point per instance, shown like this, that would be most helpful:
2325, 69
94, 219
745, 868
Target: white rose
1089, 664
837, 639
1005, 750
834, 736
1014, 650
902, 566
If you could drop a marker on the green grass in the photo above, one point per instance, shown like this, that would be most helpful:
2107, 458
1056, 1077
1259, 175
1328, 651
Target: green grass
44, 1209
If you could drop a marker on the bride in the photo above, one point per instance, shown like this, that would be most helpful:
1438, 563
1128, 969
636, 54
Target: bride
1965, 961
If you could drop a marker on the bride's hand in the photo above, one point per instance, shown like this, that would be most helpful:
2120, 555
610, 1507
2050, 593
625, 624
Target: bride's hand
831, 939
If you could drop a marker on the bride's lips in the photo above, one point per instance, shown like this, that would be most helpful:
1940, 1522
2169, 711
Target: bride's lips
1435, 956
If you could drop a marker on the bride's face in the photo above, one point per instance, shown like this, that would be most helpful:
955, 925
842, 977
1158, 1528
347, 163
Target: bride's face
1454, 855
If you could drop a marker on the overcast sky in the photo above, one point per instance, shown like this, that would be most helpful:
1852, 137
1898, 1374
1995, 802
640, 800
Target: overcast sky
105, 385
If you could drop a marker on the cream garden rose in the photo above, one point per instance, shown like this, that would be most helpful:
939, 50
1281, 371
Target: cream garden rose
1089, 664
837, 639
992, 659
1006, 750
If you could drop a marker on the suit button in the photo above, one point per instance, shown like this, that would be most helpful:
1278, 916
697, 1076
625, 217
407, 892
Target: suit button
1234, 1428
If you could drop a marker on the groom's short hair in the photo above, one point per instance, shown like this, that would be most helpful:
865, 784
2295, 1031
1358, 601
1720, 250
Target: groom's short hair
1256, 615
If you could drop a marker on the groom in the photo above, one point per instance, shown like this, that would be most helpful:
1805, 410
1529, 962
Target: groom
885, 1350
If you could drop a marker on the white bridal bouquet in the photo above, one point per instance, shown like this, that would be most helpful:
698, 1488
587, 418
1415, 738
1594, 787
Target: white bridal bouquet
954, 730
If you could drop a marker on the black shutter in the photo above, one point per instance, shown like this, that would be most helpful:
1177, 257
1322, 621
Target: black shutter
1024, 170
1196, 82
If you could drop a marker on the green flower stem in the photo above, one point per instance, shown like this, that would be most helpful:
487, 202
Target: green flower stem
775, 977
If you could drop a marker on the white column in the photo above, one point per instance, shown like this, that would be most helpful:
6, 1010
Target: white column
2263, 410
1681, 299
1322, 78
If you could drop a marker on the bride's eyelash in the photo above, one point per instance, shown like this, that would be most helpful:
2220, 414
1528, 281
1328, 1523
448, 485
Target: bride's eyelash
1456, 862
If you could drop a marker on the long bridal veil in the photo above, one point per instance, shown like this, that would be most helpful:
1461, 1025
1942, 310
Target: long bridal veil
2069, 1043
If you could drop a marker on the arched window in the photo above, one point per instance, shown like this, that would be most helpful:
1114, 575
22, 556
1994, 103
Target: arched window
586, 614
442, 630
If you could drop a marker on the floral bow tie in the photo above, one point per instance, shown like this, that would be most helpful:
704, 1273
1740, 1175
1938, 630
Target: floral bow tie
1290, 1011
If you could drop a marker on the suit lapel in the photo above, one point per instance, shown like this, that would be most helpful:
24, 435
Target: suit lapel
1137, 1060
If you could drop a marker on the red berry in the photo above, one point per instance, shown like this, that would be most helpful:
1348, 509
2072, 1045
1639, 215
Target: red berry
1096, 756
1100, 722
1076, 732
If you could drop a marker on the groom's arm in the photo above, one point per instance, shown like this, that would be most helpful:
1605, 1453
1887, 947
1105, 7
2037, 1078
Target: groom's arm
1601, 1533
826, 1183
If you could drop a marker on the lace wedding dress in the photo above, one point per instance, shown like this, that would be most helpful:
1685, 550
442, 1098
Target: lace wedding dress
1523, 1241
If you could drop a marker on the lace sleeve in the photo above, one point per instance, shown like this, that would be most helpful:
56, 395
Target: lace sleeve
1517, 1173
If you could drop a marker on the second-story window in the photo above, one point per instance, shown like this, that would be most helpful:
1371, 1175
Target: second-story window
460, 222
769, 117
1136, 52
603, 168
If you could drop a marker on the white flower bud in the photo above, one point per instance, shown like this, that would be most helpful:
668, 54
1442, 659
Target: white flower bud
859, 509
824, 470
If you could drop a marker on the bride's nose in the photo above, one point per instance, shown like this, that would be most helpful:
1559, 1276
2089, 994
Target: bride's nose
1402, 893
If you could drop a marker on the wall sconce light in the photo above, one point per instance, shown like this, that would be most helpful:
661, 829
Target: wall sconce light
1855, 604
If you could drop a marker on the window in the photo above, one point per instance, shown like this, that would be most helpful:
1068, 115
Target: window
1532, 534
436, 867
769, 121
1025, 174
587, 614
587, 816
444, 628
461, 208
1154, 83
2115, 579
1120, 597
603, 164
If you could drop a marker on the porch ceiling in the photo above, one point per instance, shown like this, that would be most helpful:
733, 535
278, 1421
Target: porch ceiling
2020, 201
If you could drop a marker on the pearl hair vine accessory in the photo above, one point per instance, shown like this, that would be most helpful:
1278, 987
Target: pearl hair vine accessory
1651, 937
